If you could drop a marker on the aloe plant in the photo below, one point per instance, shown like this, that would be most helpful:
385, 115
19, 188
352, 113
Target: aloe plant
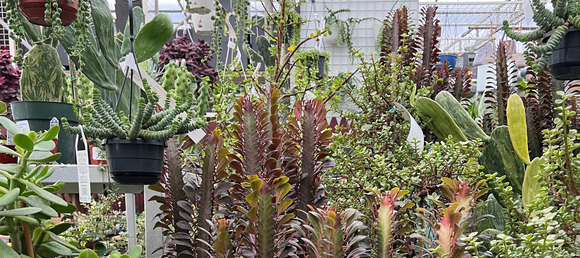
28, 205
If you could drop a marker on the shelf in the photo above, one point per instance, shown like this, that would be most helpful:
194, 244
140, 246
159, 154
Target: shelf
99, 180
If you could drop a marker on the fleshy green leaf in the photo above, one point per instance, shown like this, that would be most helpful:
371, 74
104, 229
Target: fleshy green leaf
136, 251
43, 157
24, 142
45, 146
88, 253
49, 135
9, 125
20, 212
44, 194
6, 150
516, 122
7, 251
531, 185
9, 197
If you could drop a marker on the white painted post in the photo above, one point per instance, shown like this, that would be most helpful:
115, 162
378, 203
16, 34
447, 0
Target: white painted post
153, 237
131, 220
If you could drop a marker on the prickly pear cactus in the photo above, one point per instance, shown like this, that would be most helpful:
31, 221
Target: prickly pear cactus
42, 76
516, 122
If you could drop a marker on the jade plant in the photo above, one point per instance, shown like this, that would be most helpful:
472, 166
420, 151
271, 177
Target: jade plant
564, 15
100, 121
27, 204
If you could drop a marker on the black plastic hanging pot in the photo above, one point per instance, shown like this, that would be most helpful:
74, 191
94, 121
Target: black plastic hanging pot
135, 162
564, 63
321, 66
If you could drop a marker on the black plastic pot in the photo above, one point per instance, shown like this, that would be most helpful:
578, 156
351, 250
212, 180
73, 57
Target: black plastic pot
39, 113
565, 60
321, 64
134, 162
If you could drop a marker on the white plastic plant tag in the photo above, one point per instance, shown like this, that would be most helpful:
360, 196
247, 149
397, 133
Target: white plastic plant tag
54, 122
23, 124
130, 62
84, 179
96, 154
197, 135
415, 137
10, 138
231, 44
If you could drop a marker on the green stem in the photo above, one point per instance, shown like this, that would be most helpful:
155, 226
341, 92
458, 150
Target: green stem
39, 240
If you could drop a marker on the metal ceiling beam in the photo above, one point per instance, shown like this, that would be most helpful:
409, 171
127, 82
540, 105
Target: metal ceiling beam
471, 3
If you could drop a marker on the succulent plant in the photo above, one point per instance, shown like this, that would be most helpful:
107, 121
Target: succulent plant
9, 79
558, 20
197, 56
100, 121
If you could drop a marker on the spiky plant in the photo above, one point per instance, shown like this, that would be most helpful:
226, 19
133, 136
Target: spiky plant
188, 205
101, 122
429, 31
329, 232
397, 33
498, 90
564, 15
386, 224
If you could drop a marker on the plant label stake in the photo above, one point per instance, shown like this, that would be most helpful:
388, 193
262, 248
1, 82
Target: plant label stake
84, 179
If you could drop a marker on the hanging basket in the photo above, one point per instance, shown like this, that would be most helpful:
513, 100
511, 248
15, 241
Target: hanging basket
331, 38
565, 60
33, 10
200, 6
135, 162
203, 24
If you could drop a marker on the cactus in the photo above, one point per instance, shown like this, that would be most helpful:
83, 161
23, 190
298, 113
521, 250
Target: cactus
438, 120
460, 116
103, 51
531, 185
516, 122
41, 78
499, 156
161, 126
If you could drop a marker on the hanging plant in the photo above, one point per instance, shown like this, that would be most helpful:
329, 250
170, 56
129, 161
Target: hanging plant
292, 31
311, 63
344, 28
22, 15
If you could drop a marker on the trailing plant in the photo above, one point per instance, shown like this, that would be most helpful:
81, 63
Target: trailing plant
22, 29
9, 80
307, 66
558, 22
196, 55
294, 22
28, 205
345, 28
100, 121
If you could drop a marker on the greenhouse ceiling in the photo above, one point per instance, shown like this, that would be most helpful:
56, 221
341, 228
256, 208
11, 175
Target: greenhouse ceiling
467, 25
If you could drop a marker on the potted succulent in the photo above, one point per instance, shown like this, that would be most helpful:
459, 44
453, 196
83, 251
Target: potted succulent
340, 31
135, 146
292, 30
559, 34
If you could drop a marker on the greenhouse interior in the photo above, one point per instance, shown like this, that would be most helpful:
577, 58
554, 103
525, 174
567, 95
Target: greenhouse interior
289, 128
